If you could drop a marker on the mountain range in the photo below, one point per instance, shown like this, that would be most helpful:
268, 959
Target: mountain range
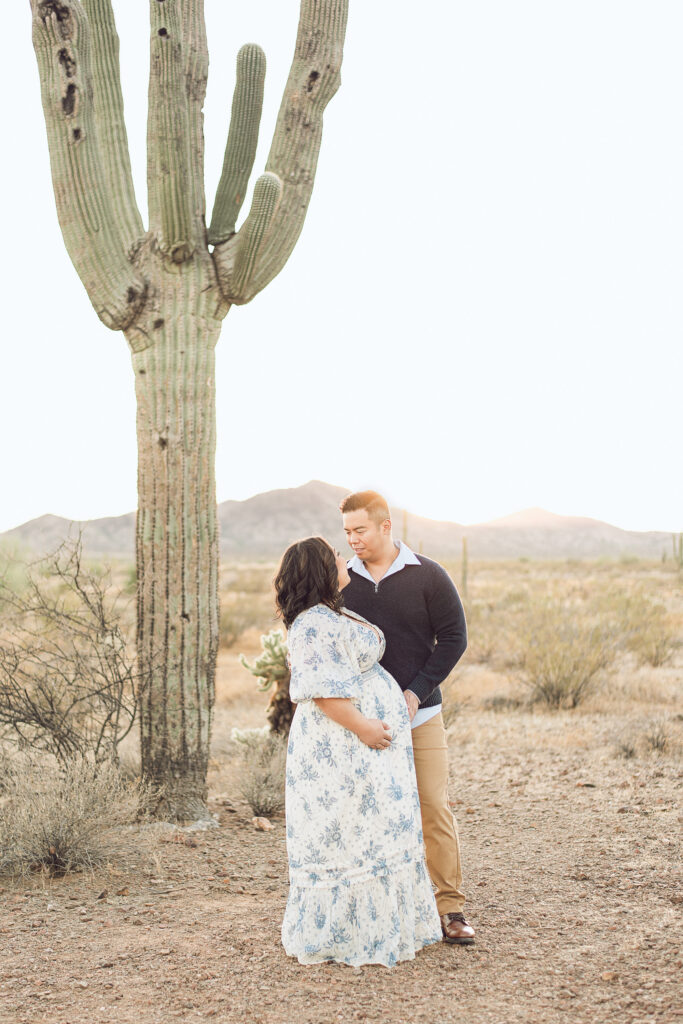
263, 526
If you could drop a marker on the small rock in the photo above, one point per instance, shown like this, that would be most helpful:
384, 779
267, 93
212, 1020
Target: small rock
103, 895
122, 892
81, 984
262, 824
609, 975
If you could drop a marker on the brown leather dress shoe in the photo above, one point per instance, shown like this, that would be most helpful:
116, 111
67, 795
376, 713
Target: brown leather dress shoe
456, 930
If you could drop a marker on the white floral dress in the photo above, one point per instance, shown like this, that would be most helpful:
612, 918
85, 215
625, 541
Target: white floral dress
359, 889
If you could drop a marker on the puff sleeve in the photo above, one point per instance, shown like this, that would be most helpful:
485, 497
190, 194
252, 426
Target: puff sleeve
321, 661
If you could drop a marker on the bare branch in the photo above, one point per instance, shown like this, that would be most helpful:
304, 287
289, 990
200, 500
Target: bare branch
67, 678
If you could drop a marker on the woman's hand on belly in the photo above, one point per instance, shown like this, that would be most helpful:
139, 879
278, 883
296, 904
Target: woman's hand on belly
375, 733
371, 731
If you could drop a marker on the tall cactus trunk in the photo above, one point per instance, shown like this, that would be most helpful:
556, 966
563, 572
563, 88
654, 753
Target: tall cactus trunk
177, 548
168, 291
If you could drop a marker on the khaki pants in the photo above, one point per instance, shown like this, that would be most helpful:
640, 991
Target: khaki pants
438, 824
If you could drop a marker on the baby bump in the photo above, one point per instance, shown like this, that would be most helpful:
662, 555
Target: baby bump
382, 698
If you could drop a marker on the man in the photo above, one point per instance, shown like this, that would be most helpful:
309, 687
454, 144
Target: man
414, 602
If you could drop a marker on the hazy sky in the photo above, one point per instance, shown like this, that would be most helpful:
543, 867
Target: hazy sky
483, 311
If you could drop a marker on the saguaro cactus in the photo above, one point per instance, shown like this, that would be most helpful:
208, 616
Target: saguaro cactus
168, 291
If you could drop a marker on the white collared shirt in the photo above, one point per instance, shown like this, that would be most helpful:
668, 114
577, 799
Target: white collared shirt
404, 557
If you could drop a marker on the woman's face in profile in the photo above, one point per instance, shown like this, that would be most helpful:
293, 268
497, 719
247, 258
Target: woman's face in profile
342, 571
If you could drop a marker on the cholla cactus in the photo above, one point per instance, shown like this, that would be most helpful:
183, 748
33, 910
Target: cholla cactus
272, 670
168, 291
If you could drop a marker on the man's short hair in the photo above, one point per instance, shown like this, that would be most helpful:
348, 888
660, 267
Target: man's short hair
373, 503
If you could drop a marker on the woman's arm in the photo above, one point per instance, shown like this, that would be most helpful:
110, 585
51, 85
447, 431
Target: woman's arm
341, 710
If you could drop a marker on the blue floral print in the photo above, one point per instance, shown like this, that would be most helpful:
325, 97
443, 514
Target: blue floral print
359, 889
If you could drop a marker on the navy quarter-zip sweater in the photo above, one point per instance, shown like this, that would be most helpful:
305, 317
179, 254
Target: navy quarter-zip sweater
421, 615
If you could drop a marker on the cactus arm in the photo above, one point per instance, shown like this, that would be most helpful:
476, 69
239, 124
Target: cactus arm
313, 80
111, 127
168, 136
238, 258
61, 39
240, 149
196, 66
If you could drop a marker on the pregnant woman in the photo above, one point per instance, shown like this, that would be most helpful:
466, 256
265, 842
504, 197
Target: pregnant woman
359, 888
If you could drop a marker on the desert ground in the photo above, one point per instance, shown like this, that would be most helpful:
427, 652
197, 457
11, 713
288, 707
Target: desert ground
570, 828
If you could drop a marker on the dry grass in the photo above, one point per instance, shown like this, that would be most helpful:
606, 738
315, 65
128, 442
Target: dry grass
63, 819
247, 601
262, 769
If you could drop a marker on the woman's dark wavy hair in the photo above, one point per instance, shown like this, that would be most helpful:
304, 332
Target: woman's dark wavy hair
307, 576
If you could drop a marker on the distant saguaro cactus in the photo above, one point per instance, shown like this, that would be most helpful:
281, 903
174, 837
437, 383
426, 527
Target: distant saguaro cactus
168, 292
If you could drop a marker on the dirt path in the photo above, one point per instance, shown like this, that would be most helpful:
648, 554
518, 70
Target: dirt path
573, 877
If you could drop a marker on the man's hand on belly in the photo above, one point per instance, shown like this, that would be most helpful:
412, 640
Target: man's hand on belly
412, 702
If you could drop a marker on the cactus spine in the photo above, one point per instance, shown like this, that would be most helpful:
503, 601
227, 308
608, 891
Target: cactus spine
168, 293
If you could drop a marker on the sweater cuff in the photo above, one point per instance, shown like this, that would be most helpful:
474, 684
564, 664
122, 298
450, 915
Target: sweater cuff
422, 688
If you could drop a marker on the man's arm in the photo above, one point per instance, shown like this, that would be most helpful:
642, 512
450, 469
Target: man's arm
447, 618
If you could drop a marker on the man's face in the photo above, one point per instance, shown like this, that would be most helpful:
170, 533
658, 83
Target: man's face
365, 537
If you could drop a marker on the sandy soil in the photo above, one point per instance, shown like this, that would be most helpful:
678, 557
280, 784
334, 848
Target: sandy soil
572, 872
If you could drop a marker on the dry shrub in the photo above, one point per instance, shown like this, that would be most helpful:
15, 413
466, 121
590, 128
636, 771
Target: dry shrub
626, 748
240, 612
502, 702
262, 775
452, 705
483, 631
648, 630
653, 638
657, 738
248, 579
64, 819
69, 685
561, 650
